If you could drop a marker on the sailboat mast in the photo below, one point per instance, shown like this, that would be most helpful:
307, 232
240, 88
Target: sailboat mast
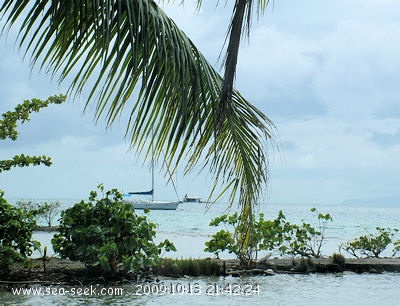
152, 167
152, 179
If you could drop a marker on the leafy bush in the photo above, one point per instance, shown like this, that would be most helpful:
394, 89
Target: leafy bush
43, 212
265, 235
16, 227
370, 245
305, 239
107, 234
338, 259
48, 211
221, 241
269, 235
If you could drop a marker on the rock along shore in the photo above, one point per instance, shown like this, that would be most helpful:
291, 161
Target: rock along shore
326, 265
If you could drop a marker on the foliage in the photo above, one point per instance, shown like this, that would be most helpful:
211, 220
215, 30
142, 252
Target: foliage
8, 129
16, 224
265, 235
338, 259
107, 234
221, 241
305, 239
370, 245
269, 235
396, 248
191, 114
46, 211
16, 227
190, 267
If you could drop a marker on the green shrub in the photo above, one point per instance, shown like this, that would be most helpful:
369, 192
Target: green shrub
107, 234
338, 259
221, 241
16, 227
191, 267
264, 235
370, 245
43, 212
305, 239
269, 235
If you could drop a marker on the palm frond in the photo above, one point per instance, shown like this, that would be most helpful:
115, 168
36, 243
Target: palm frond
123, 47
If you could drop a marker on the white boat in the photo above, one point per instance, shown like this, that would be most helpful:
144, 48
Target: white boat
191, 199
152, 205
138, 203
132, 198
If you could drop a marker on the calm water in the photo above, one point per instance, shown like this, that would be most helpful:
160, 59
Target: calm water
188, 229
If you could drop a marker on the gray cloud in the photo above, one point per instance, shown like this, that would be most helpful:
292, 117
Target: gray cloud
386, 139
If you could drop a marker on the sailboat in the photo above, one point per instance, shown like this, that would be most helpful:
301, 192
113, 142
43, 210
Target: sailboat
149, 204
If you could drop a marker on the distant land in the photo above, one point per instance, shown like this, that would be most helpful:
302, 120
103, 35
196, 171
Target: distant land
378, 201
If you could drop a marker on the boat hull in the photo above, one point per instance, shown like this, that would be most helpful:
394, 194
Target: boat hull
153, 205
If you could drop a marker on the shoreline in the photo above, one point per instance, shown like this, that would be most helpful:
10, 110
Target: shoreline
57, 271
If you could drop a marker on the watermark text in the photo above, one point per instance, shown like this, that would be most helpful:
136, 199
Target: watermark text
53, 291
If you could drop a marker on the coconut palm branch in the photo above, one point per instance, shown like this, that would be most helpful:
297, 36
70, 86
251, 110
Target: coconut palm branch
239, 26
136, 61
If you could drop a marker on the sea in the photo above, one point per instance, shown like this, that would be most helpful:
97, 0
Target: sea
188, 228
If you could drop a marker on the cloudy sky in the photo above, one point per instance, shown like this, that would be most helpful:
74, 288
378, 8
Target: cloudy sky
326, 72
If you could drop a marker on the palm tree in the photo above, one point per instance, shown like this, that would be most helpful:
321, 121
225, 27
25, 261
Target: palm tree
132, 46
